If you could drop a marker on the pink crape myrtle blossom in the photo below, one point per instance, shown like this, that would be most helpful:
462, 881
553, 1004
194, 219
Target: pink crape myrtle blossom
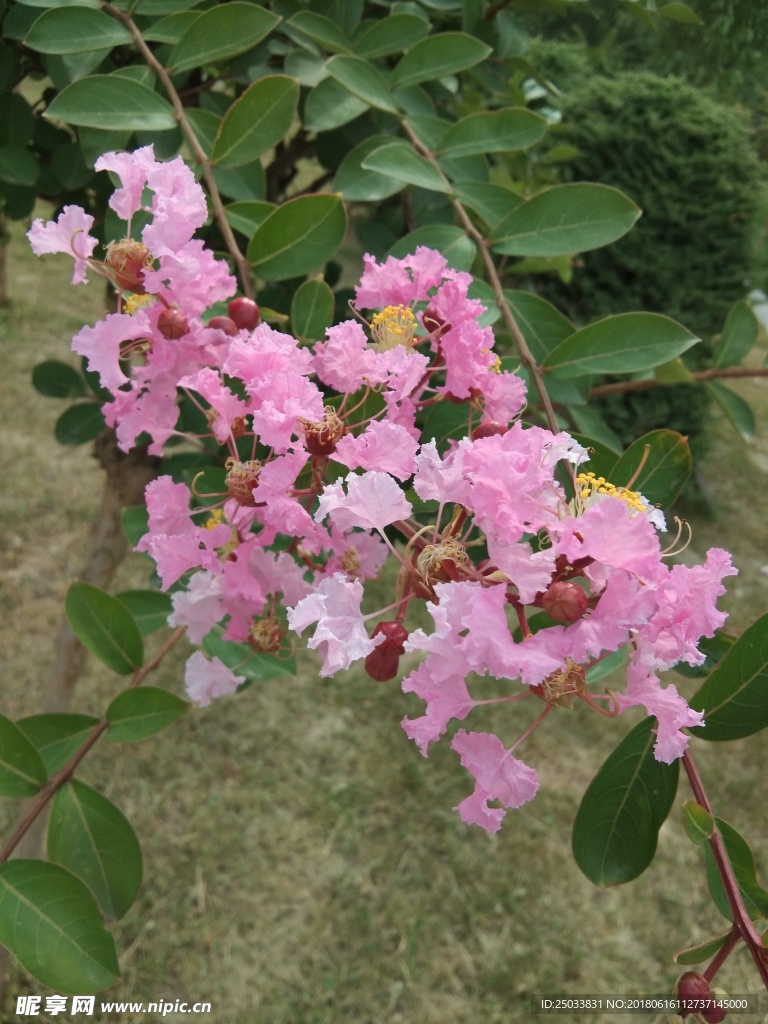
340, 633
498, 776
132, 170
101, 345
372, 502
206, 679
67, 234
383, 446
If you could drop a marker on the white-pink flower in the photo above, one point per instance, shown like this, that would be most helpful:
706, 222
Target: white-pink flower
372, 502
206, 679
68, 234
498, 776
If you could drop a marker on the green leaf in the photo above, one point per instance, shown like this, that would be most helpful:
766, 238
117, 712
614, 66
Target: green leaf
735, 697
680, 12
18, 166
355, 182
54, 927
698, 954
105, 626
329, 105
241, 659
22, 771
246, 183
398, 160
604, 667
172, 28
699, 823
298, 237
715, 648
135, 523
674, 371
665, 468
246, 215
602, 458
150, 608
565, 219
55, 379
739, 335
542, 326
312, 310
492, 202
743, 864
617, 825
588, 421
79, 423
363, 80
164, 6
113, 102
74, 30
452, 243
735, 408
60, 3
256, 121
91, 837
445, 53
141, 712
56, 737
392, 34
499, 131
222, 32
321, 30
626, 343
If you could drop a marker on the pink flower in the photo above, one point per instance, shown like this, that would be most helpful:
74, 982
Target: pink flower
440, 680
666, 705
340, 634
382, 446
372, 502
69, 234
498, 776
100, 344
131, 169
344, 360
225, 406
199, 607
206, 679
400, 281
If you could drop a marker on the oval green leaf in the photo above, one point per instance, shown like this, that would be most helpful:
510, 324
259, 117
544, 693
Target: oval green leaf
698, 954
665, 467
736, 410
398, 160
363, 80
53, 925
735, 697
243, 662
18, 166
113, 102
498, 131
329, 105
105, 626
542, 326
626, 343
79, 424
55, 379
492, 202
22, 771
739, 335
743, 863
698, 822
320, 30
564, 220
312, 310
356, 182
256, 121
224, 31
246, 215
452, 243
75, 30
392, 34
298, 237
617, 825
149, 608
445, 53
171, 28
93, 839
56, 737
141, 712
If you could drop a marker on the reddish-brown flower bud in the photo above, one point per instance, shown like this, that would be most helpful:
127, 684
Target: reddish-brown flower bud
489, 429
245, 313
715, 1015
224, 323
564, 602
691, 989
172, 324
322, 436
127, 260
383, 661
241, 479
434, 323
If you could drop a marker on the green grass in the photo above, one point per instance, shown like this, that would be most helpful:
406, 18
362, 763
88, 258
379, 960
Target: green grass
302, 861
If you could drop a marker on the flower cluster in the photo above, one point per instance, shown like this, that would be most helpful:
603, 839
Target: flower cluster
532, 569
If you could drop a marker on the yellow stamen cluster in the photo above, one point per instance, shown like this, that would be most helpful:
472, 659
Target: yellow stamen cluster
350, 561
135, 302
393, 326
216, 517
590, 485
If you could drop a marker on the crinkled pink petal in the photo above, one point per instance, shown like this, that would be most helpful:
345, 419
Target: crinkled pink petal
178, 206
403, 369
372, 502
611, 535
382, 446
206, 679
100, 344
278, 573
503, 397
226, 406
440, 680
498, 776
132, 170
340, 633
441, 479
357, 554
68, 234
254, 359
199, 607
345, 360
192, 277
279, 403
666, 705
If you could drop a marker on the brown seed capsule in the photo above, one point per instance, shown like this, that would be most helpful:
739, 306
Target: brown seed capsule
224, 323
245, 313
564, 602
172, 324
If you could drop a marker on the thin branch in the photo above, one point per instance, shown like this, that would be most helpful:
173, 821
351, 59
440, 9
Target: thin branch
64, 774
621, 387
152, 62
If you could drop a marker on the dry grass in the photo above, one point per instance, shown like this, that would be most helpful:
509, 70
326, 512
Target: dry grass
302, 862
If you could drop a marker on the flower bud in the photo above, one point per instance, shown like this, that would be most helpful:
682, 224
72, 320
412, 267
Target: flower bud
241, 479
322, 436
383, 661
564, 602
127, 260
244, 313
224, 323
172, 324
694, 987
489, 429
715, 1015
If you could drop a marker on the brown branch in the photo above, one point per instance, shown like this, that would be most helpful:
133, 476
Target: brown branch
526, 356
698, 377
152, 62
741, 918
64, 774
